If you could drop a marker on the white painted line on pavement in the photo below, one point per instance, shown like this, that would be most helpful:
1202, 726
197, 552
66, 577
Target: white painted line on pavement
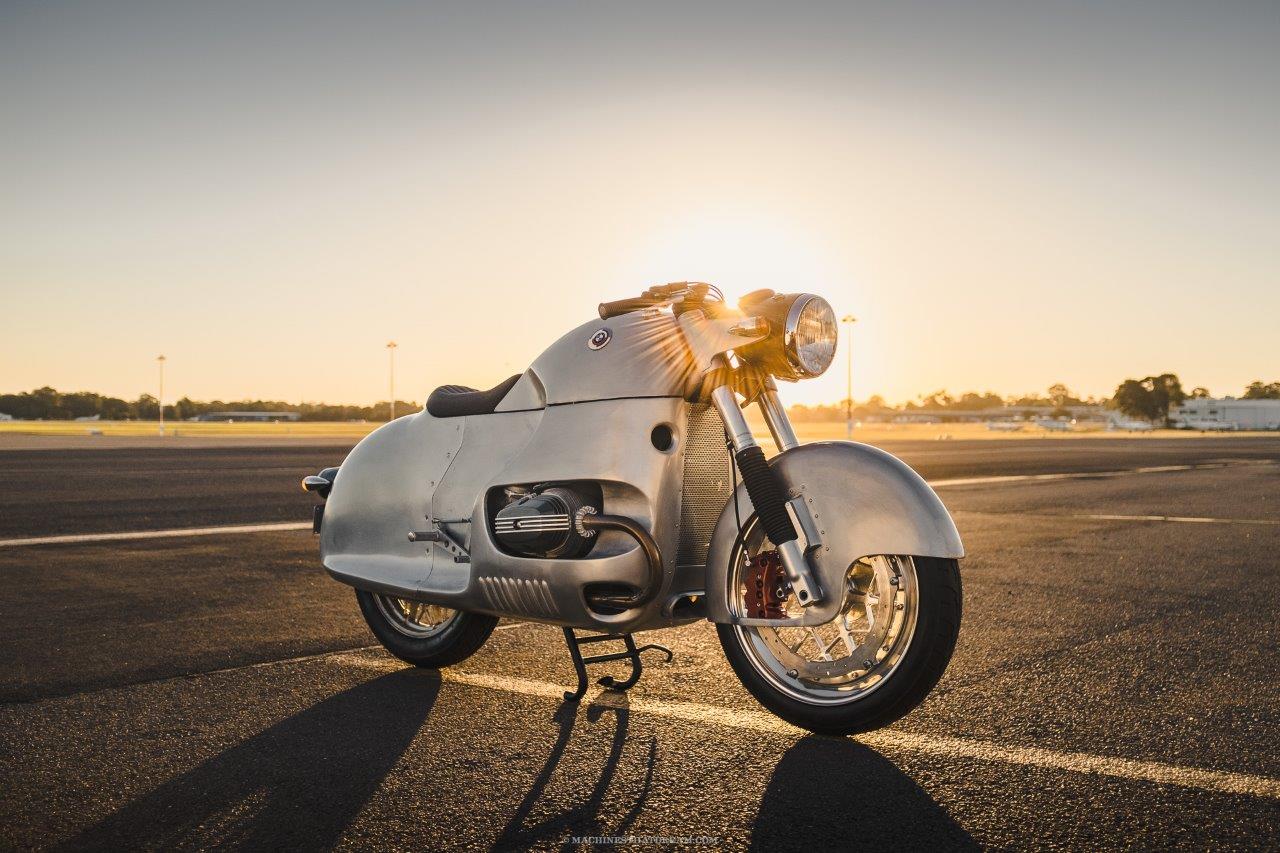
1183, 519
937, 484
154, 534
1178, 518
1068, 475
1089, 475
1155, 772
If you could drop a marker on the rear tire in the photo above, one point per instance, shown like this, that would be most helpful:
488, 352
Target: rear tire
934, 639
451, 641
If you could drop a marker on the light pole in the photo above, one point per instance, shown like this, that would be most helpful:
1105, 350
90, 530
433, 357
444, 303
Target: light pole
849, 320
391, 352
160, 360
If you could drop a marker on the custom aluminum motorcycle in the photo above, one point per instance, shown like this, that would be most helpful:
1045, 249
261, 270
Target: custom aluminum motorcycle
599, 491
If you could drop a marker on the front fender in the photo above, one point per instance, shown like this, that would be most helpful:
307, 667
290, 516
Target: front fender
864, 502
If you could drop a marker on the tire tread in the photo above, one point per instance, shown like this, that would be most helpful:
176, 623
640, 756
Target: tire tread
455, 645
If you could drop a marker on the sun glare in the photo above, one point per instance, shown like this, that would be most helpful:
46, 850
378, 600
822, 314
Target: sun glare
738, 253
741, 252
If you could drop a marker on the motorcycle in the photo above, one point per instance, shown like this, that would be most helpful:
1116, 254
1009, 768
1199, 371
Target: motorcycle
616, 487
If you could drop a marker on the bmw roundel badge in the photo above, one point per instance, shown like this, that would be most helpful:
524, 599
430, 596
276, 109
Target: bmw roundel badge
600, 339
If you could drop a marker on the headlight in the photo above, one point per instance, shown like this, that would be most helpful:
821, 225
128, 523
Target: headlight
810, 335
802, 334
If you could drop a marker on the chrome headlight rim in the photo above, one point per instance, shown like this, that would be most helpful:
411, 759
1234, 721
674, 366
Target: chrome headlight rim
790, 338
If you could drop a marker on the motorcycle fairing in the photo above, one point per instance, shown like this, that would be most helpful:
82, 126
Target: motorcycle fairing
644, 356
383, 491
580, 412
648, 354
863, 501
420, 467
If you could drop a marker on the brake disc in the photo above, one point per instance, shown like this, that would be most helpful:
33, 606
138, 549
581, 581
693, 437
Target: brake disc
857, 639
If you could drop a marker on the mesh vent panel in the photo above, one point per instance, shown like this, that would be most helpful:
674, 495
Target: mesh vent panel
708, 483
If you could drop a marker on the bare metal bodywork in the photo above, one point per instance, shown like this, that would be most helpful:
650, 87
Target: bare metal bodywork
588, 414
863, 502
458, 460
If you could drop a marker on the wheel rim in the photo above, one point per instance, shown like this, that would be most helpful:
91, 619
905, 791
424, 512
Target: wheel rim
415, 619
846, 659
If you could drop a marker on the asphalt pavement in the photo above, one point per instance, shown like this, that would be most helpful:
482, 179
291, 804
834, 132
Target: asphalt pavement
1116, 684
51, 491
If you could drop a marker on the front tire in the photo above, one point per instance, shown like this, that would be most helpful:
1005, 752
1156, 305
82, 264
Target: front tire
870, 681
425, 635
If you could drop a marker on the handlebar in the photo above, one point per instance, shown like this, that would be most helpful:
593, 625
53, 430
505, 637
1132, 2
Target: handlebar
660, 294
624, 306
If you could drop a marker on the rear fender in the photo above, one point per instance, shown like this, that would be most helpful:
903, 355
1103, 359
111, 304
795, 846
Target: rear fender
863, 502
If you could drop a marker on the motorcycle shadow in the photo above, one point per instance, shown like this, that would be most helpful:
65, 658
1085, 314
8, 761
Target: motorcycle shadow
584, 818
301, 782
836, 794
297, 784
825, 793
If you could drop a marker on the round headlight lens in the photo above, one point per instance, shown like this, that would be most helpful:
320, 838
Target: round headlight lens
811, 334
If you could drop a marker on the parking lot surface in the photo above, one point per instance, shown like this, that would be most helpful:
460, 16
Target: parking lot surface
1116, 684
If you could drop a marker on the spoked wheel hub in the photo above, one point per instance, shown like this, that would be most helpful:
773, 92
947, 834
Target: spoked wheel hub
838, 662
415, 619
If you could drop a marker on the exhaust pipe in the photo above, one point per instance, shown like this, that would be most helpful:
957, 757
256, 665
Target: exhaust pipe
592, 522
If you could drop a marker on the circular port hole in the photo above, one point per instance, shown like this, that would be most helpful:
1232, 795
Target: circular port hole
663, 438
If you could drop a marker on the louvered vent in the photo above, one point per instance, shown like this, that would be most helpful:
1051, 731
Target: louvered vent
707, 483
519, 596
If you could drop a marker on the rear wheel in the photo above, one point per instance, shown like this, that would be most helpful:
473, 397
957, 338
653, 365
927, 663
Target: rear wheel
424, 634
871, 665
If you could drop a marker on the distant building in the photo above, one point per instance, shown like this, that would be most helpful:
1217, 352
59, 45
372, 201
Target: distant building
1118, 421
1227, 413
1083, 413
4, 417
249, 417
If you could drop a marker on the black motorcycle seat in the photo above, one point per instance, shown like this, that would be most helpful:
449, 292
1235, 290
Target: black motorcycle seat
455, 401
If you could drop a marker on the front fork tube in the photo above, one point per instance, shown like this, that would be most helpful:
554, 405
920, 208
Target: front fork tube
776, 417
793, 556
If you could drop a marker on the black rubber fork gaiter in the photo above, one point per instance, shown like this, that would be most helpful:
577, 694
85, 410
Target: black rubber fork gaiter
767, 495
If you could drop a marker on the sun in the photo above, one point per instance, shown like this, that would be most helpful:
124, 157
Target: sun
737, 252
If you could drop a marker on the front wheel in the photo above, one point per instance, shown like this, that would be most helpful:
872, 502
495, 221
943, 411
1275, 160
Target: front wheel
870, 666
424, 634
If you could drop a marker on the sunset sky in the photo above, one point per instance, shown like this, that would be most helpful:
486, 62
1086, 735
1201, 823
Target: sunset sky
1005, 196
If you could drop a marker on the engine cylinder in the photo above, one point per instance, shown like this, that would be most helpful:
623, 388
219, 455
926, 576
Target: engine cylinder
542, 524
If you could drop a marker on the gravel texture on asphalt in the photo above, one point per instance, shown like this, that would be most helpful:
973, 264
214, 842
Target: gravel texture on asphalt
221, 690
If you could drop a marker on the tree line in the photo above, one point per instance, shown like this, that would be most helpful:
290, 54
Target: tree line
52, 405
1150, 398
1057, 397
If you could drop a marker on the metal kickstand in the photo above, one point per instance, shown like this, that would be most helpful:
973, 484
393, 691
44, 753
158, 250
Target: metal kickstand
580, 663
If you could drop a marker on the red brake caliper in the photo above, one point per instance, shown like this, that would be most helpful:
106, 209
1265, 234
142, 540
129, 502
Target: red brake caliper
766, 587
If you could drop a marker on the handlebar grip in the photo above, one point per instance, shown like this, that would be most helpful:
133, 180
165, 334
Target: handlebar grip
624, 306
